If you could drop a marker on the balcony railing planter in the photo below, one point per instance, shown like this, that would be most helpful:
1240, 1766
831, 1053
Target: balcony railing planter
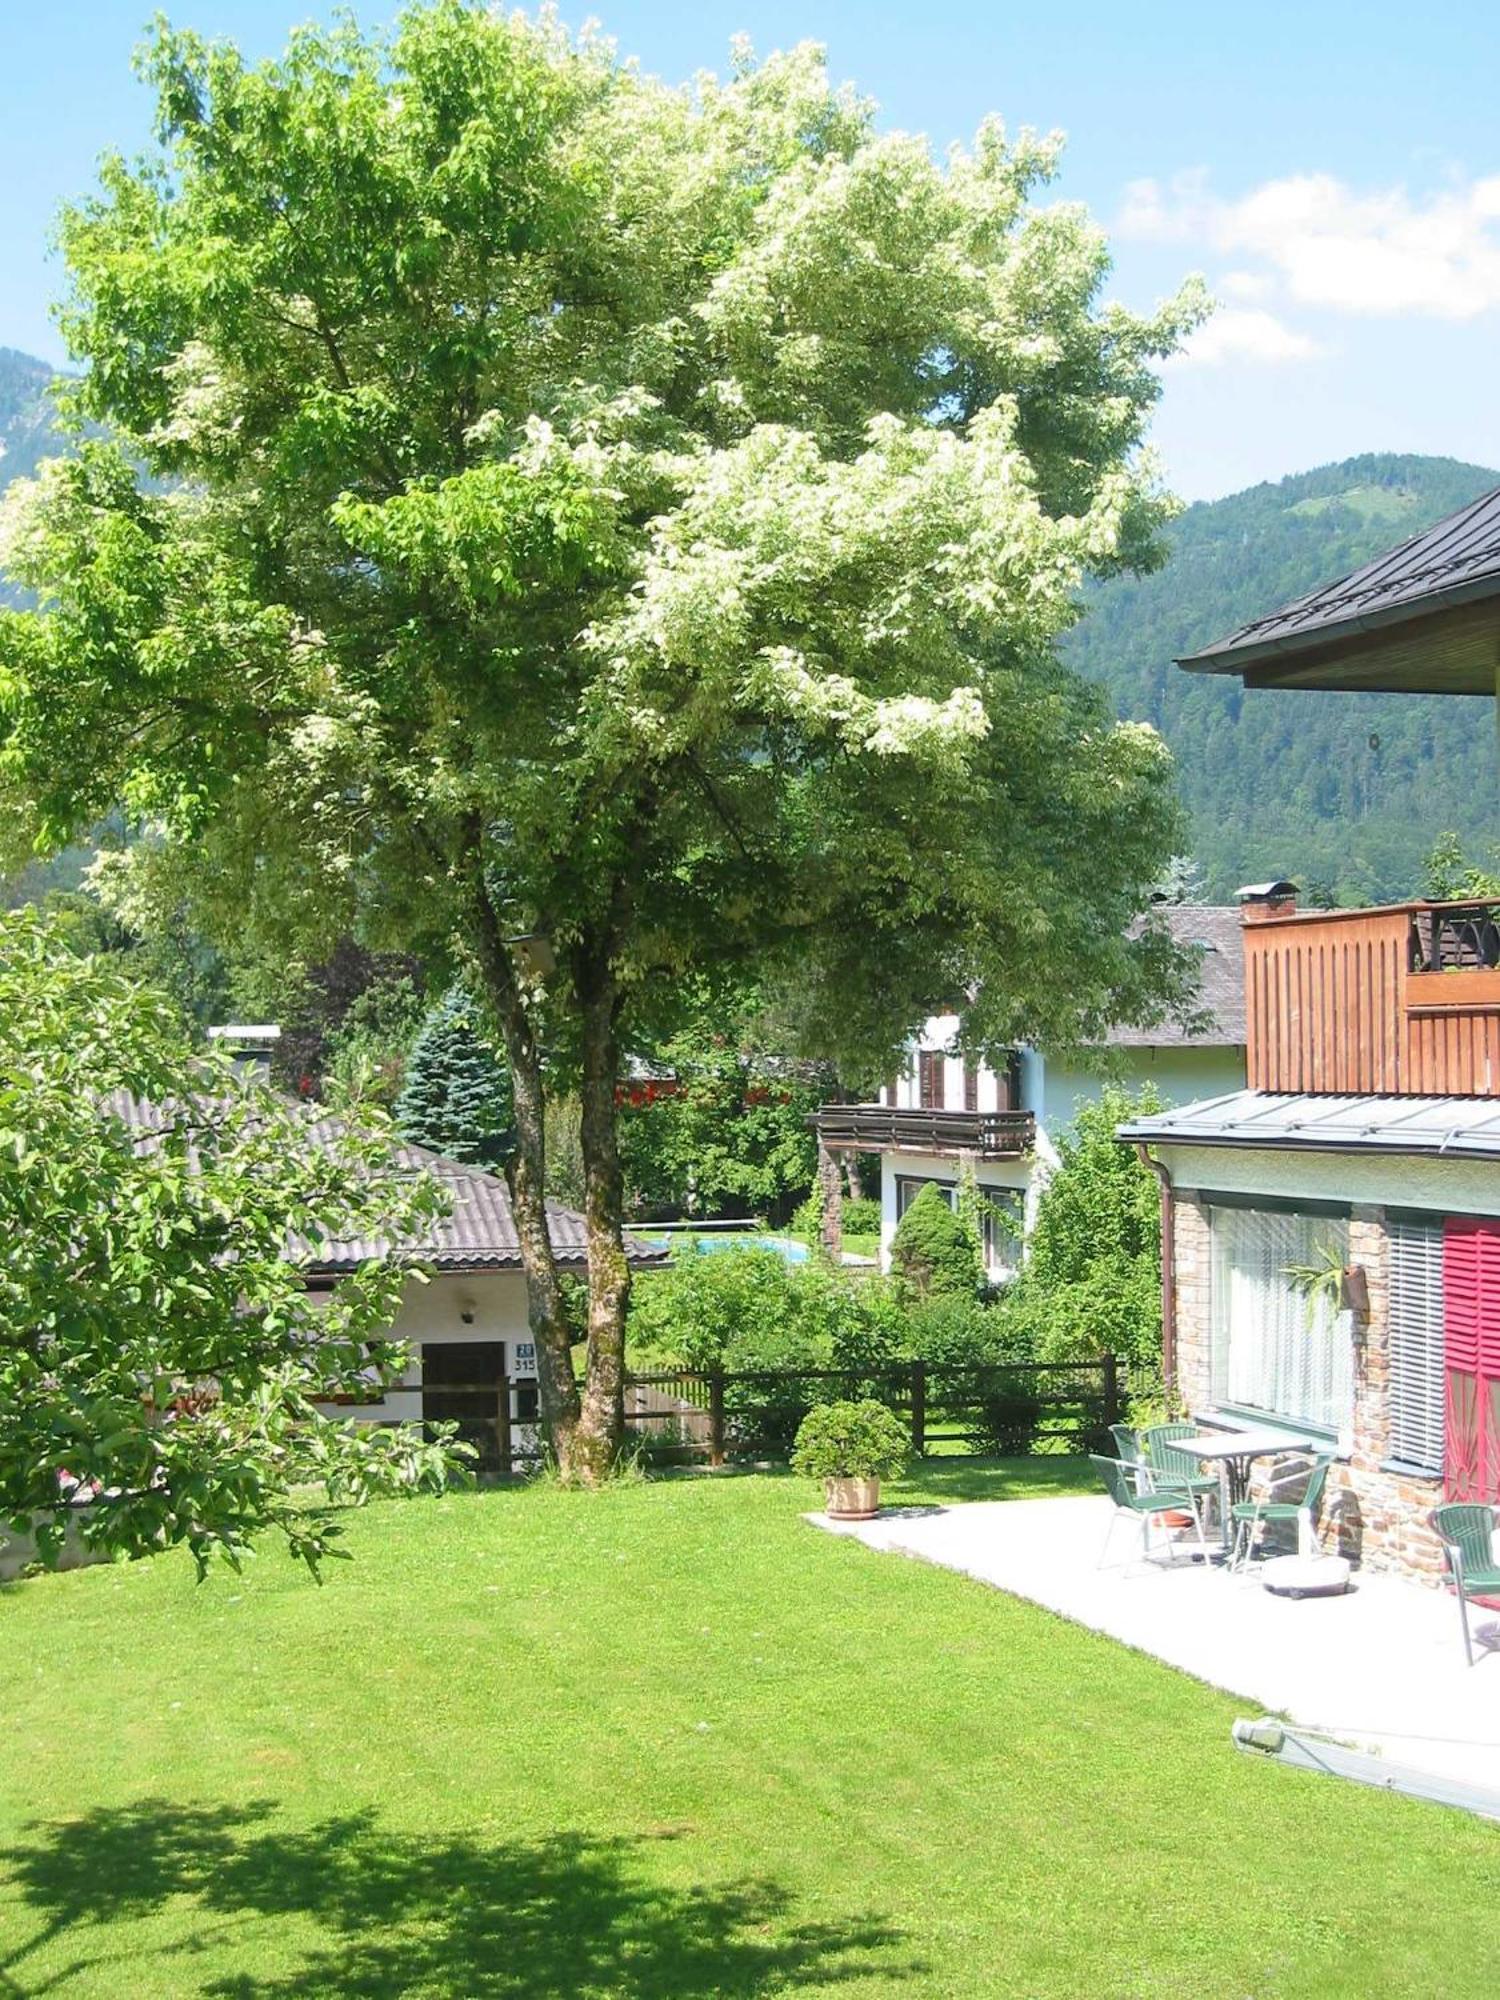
1471, 990
992, 1135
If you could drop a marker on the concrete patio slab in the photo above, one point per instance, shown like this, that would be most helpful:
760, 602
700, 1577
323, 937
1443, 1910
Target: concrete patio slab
1381, 1667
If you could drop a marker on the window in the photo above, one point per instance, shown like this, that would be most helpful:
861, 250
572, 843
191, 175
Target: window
1279, 1345
1416, 1345
971, 1086
1000, 1222
930, 1079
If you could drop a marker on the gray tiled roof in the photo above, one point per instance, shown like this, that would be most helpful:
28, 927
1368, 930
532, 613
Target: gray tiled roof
1453, 563
479, 1234
1455, 1127
1220, 935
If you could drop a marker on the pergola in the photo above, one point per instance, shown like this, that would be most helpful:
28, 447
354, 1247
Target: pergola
1422, 619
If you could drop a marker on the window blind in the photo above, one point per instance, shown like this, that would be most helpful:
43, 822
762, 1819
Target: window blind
1276, 1347
1416, 1345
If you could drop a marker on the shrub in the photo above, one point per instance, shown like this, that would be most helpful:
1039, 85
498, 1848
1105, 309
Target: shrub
857, 1218
948, 1331
850, 1441
862, 1216
751, 1309
937, 1250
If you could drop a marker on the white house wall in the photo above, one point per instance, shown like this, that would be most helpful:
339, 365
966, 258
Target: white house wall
496, 1303
1055, 1095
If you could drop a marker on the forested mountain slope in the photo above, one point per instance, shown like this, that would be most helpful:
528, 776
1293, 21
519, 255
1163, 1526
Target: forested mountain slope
1346, 793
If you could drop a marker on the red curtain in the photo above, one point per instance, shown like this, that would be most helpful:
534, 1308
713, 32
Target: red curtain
1471, 1345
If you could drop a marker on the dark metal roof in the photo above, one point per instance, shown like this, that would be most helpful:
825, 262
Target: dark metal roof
1219, 933
1451, 1127
1352, 633
479, 1233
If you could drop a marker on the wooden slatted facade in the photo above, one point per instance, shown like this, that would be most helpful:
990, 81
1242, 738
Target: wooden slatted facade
1333, 1005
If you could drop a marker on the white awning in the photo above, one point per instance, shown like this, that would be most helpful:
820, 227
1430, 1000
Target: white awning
1457, 1127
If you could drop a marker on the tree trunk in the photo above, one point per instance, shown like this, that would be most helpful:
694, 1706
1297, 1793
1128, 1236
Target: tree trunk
853, 1177
831, 1187
601, 1428
526, 1176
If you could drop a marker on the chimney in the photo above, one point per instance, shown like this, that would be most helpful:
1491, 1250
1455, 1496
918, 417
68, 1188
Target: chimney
250, 1044
1259, 901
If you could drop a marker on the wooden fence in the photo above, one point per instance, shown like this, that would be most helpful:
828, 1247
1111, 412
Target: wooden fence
722, 1417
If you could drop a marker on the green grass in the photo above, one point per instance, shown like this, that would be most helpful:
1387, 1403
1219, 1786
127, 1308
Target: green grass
665, 1743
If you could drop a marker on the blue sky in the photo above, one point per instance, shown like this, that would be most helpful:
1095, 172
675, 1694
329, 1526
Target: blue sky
1332, 169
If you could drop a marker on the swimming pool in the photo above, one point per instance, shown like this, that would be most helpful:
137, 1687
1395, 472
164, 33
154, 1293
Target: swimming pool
782, 1246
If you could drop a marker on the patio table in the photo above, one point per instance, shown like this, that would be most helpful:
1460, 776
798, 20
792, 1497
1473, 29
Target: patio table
1232, 1452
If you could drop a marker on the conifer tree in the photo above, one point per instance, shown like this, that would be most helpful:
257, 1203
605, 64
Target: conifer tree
456, 1098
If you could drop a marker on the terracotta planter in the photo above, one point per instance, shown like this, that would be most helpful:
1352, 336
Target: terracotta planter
852, 1499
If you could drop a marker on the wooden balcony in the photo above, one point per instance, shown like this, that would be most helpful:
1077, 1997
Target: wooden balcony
875, 1128
1400, 1000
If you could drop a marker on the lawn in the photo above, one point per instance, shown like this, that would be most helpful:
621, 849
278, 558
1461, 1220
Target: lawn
665, 1743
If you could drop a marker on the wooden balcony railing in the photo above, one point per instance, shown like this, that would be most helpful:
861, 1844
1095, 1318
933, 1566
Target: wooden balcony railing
873, 1128
1401, 1000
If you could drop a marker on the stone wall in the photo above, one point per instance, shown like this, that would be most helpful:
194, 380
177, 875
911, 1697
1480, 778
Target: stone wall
1377, 1517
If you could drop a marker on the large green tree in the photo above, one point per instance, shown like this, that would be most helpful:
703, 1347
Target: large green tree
161, 1356
610, 529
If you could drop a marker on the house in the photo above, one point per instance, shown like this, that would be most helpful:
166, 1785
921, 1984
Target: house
1331, 1233
472, 1357
942, 1113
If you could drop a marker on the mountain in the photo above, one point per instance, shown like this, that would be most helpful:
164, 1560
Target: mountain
1345, 793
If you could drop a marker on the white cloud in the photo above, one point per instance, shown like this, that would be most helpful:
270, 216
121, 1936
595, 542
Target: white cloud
1246, 285
1324, 244
1245, 333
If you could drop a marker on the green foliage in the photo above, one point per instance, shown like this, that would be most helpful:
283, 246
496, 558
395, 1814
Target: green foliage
161, 1350
564, 1143
1344, 790
729, 1132
936, 1248
1091, 1283
741, 1309
1452, 878
650, 613
456, 1098
861, 1440
950, 1330
862, 1216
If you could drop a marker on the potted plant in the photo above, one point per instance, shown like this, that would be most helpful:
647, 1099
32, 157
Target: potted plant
851, 1447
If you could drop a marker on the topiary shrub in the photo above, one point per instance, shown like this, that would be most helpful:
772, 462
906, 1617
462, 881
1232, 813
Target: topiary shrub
936, 1250
850, 1441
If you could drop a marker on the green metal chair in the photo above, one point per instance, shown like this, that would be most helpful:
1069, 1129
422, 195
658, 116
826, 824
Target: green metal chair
1143, 1507
1174, 1466
1248, 1516
1128, 1451
1466, 1530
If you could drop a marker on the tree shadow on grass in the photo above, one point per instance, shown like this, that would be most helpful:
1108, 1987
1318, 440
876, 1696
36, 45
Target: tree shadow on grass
450, 1918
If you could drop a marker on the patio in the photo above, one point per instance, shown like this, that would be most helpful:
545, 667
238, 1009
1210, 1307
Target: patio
1381, 1668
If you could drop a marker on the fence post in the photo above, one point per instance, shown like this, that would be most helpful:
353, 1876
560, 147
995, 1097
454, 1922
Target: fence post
502, 1430
716, 1416
919, 1409
1111, 1390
